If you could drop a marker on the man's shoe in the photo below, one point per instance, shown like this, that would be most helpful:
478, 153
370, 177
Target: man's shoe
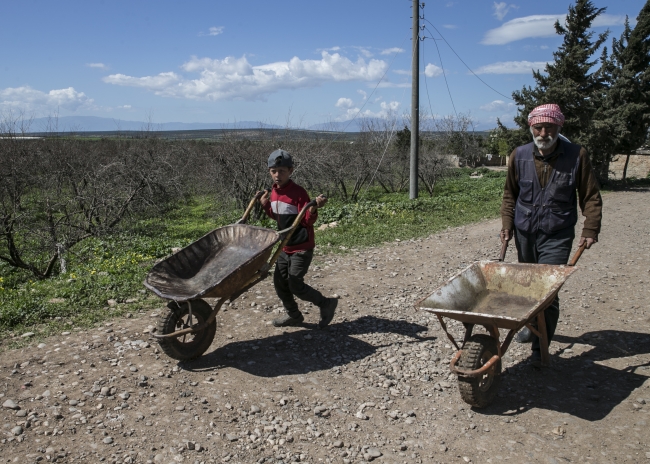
535, 359
288, 321
327, 311
524, 336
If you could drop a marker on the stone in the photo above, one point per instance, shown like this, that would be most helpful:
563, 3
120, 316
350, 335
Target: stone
17, 430
41, 346
27, 335
255, 409
112, 303
231, 437
108, 440
10, 404
338, 444
374, 453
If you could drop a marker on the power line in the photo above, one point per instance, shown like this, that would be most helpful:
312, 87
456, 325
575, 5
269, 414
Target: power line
461, 60
426, 84
444, 74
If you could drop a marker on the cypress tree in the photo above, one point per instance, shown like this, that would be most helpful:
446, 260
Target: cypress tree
623, 120
570, 82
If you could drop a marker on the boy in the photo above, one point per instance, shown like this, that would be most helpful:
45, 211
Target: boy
286, 201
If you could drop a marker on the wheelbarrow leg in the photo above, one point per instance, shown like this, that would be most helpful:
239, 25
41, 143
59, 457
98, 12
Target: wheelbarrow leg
543, 339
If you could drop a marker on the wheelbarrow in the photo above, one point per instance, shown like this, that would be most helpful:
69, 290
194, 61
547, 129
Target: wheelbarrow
496, 295
222, 264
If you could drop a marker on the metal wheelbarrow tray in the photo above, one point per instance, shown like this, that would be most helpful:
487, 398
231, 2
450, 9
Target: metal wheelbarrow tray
214, 266
496, 295
222, 264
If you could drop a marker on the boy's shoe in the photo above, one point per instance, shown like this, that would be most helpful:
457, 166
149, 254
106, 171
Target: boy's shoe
327, 310
524, 336
288, 321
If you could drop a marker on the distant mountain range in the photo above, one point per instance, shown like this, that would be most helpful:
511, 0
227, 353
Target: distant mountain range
97, 124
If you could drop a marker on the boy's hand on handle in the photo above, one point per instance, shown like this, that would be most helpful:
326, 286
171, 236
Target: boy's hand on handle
505, 235
264, 198
589, 241
320, 202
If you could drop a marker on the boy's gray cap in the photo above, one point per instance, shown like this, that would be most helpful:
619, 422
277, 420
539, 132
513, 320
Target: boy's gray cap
280, 158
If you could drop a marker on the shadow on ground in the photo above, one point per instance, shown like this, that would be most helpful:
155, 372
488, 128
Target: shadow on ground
583, 385
290, 353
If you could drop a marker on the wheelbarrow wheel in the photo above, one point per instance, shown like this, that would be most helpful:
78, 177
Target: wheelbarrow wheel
188, 346
479, 391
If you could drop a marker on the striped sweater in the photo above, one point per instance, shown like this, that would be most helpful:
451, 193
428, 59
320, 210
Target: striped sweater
284, 205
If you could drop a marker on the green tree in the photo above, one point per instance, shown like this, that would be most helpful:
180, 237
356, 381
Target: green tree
570, 82
403, 140
622, 121
502, 141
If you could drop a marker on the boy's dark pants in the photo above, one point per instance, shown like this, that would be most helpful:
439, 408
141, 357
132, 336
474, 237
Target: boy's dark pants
288, 279
544, 248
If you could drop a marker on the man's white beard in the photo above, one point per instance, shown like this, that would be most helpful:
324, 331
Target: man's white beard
544, 143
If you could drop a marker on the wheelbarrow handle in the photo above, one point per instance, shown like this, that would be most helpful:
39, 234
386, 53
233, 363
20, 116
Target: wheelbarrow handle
251, 205
577, 254
504, 248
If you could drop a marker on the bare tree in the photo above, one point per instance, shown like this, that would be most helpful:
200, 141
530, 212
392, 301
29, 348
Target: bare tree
56, 192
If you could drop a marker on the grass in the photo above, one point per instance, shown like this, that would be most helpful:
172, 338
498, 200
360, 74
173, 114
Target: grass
113, 268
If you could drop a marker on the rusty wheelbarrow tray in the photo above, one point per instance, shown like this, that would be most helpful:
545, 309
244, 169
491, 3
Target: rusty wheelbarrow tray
222, 264
496, 295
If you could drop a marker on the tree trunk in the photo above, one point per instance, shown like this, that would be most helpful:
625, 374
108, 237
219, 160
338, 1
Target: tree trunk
627, 161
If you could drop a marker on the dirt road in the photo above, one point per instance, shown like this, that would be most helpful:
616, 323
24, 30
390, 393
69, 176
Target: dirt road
375, 386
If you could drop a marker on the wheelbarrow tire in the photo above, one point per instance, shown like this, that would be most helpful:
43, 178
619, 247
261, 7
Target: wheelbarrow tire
186, 347
479, 391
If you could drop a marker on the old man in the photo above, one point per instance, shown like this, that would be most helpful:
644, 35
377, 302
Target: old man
547, 179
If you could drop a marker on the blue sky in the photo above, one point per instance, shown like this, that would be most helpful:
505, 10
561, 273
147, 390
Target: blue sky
279, 62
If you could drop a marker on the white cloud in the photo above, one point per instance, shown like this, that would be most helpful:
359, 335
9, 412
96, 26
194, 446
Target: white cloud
214, 30
449, 26
537, 26
364, 51
431, 70
403, 72
236, 78
97, 65
125, 107
501, 9
386, 109
344, 103
363, 93
497, 105
511, 67
392, 51
29, 99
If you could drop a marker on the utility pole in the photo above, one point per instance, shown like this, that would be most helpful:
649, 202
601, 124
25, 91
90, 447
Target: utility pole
415, 102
